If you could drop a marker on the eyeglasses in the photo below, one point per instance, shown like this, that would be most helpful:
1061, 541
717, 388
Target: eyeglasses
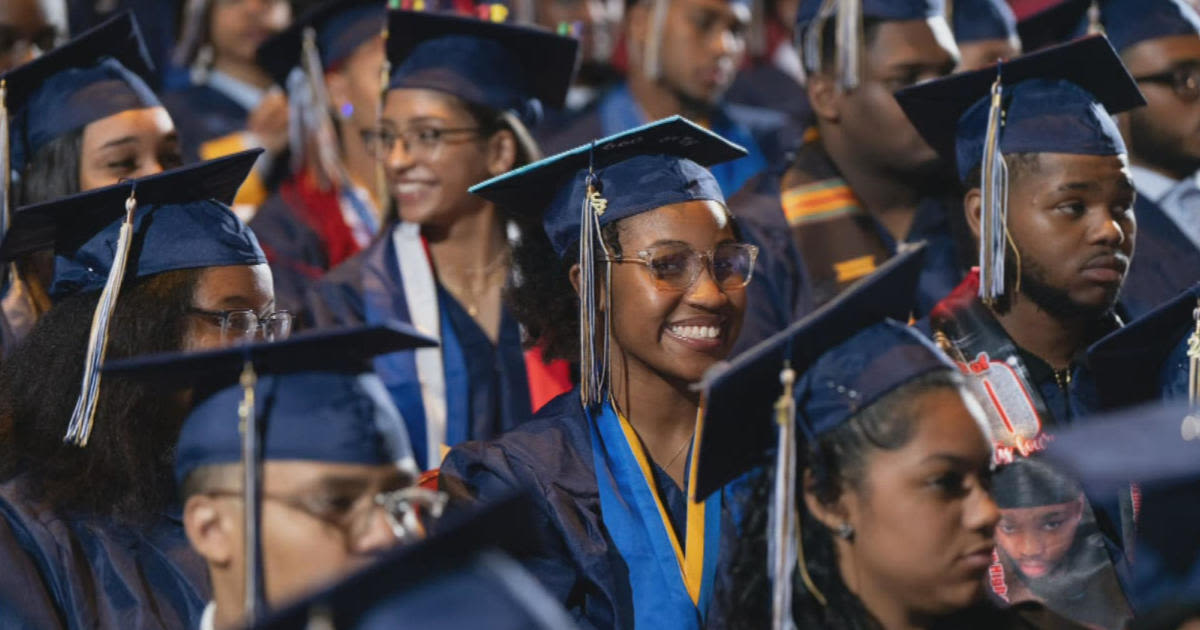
1183, 79
420, 142
246, 325
676, 267
410, 512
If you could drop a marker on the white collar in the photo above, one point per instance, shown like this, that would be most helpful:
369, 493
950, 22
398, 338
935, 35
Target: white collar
206, 620
1152, 184
240, 92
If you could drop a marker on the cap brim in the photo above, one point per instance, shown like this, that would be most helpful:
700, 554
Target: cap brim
1091, 63
740, 395
532, 187
53, 224
549, 60
118, 37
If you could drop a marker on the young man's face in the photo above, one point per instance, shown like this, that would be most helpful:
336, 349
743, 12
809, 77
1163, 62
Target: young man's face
1037, 538
900, 54
1071, 220
1165, 134
702, 44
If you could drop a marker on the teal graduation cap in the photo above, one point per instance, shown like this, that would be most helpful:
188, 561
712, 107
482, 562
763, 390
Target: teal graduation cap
578, 192
309, 397
1059, 100
177, 219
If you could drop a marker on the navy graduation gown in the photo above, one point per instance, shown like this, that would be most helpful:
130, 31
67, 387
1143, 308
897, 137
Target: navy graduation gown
487, 389
202, 114
1165, 262
65, 571
767, 135
295, 251
551, 457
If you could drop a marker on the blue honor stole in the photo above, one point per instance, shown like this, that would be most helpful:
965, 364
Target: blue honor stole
671, 583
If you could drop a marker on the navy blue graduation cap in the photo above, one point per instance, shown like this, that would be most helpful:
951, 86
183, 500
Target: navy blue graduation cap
177, 219
1059, 100
308, 397
1057, 24
741, 395
99, 73
461, 577
1156, 446
976, 20
812, 15
577, 192
338, 28
505, 67
1128, 22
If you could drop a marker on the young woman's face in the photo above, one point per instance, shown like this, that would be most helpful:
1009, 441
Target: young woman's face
923, 516
676, 333
224, 289
238, 27
1038, 538
132, 143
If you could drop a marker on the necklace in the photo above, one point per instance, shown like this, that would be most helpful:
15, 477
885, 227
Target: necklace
682, 447
472, 293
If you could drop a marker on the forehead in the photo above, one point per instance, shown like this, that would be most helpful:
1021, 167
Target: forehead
149, 120
910, 42
1161, 52
729, 10
1056, 169
945, 426
405, 103
297, 472
700, 224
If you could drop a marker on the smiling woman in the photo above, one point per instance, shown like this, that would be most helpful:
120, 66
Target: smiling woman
648, 293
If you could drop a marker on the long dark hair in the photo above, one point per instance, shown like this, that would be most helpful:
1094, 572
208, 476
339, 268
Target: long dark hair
125, 470
837, 462
53, 171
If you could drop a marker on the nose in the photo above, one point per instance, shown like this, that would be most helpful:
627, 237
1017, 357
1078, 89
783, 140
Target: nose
726, 43
399, 158
982, 513
378, 535
1107, 230
705, 293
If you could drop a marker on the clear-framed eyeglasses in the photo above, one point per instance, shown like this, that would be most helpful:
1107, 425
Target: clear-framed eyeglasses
675, 267
420, 142
247, 325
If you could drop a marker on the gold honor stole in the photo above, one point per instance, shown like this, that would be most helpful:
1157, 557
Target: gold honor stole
671, 583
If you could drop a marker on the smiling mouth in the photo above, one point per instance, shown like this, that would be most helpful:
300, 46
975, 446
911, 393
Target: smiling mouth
699, 333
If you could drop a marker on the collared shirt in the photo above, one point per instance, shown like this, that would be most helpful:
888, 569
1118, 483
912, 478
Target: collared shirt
1179, 199
210, 613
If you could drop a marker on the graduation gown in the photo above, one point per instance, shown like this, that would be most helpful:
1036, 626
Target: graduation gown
580, 560
304, 234
766, 134
64, 571
1165, 262
816, 239
486, 385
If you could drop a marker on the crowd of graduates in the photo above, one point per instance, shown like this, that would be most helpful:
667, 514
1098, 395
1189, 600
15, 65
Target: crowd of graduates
654, 314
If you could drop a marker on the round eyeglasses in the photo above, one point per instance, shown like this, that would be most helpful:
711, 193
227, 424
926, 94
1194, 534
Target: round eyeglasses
676, 267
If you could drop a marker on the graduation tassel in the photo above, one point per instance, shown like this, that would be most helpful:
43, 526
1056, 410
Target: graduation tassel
385, 73
993, 217
248, 426
1191, 423
79, 429
782, 537
813, 36
5, 175
651, 65
319, 116
849, 41
593, 377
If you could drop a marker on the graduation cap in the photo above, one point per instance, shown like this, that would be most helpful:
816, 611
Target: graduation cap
1128, 22
1056, 24
976, 20
1059, 100
99, 73
848, 354
505, 67
309, 397
1156, 446
812, 16
1145, 359
461, 577
173, 220
577, 192
338, 28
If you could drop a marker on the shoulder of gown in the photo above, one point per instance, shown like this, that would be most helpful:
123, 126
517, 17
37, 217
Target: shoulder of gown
294, 251
1164, 261
337, 298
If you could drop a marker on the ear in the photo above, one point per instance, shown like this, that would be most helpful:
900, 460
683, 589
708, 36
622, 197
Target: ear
831, 515
501, 152
338, 87
972, 206
208, 523
825, 96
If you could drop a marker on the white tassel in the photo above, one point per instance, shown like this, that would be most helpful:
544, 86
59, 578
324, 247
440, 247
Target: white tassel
782, 539
993, 224
1190, 429
5, 167
79, 429
320, 125
813, 36
849, 42
651, 60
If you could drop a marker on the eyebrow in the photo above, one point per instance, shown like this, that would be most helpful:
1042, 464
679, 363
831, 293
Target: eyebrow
341, 484
957, 461
119, 142
239, 300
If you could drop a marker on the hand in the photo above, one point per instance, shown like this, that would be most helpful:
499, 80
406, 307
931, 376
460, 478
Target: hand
269, 121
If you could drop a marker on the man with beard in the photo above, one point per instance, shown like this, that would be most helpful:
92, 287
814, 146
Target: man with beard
683, 56
863, 182
1159, 41
1050, 200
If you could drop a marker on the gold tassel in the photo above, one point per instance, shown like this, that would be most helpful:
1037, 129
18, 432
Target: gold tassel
248, 427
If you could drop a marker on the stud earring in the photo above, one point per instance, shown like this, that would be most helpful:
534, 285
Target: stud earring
845, 531
346, 110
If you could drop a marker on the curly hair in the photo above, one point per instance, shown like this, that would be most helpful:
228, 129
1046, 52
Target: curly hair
125, 470
837, 462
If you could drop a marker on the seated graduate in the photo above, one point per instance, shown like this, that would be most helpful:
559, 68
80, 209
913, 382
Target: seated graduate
645, 291
985, 31
82, 117
89, 533
31, 28
460, 100
335, 466
877, 511
1050, 199
330, 60
463, 576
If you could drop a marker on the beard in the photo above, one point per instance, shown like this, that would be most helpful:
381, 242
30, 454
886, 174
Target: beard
1035, 287
1156, 147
